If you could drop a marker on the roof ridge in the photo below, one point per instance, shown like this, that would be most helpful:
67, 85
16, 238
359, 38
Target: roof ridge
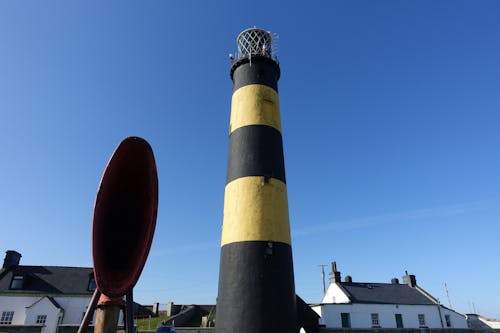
55, 266
386, 293
426, 294
384, 283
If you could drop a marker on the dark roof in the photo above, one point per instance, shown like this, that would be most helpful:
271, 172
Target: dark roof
48, 280
141, 311
386, 293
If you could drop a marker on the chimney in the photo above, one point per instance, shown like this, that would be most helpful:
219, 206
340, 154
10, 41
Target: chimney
348, 279
394, 281
335, 275
410, 280
12, 258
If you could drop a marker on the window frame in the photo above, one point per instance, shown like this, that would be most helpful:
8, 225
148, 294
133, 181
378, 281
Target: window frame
17, 282
91, 321
92, 283
421, 320
375, 320
447, 319
6, 317
345, 317
400, 316
41, 319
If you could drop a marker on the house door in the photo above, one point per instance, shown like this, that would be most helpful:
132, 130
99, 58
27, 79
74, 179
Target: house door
399, 320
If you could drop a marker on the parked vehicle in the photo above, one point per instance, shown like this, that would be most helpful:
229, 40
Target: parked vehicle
165, 329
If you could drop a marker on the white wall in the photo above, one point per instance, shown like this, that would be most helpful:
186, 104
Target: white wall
360, 315
18, 305
43, 307
457, 320
490, 322
74, 307
335, 295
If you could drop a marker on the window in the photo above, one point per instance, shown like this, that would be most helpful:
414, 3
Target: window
375, 322
17, 282
447, 318
41, 319
269, 112
421, 320
91, 318
399, 320
92, 284
346, 320
6, 318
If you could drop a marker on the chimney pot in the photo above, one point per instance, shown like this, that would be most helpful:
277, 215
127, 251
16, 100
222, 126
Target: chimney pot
335, 275
12, 258
410, 280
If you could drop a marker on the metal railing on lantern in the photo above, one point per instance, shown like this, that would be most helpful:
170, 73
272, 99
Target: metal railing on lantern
256, 42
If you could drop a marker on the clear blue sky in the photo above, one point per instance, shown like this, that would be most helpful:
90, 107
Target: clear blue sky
390, 113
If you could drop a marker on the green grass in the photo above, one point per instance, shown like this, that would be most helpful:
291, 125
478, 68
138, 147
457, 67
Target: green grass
150, 324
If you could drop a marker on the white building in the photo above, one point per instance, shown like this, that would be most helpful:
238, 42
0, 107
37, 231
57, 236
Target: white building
383, 305
44, 295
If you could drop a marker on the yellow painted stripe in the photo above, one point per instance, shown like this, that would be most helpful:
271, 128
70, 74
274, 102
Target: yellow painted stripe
255, 211
255, 104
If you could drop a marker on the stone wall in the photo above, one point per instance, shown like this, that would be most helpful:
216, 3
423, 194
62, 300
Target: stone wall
21, 328
74, 329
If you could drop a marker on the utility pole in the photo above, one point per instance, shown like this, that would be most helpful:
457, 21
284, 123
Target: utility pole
323, 276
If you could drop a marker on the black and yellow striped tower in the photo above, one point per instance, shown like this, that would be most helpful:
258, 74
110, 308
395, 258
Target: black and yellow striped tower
256, 284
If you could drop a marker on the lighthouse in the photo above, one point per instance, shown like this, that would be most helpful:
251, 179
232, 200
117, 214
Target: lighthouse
256, 283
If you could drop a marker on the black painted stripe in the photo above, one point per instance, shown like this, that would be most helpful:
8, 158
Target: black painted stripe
256, 289
255, 150
260, 70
